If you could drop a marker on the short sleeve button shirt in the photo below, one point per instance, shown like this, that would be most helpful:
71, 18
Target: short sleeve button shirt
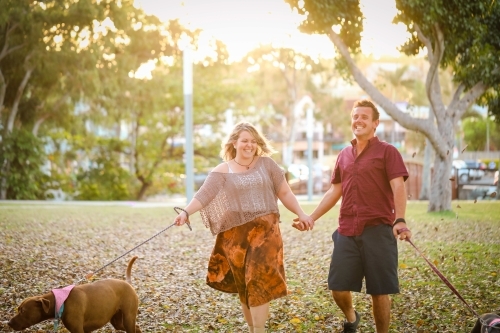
367, 197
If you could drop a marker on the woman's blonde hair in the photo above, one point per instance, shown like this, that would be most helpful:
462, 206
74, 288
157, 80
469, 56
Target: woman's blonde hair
228, 152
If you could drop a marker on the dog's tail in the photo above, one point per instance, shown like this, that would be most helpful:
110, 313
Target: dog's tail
129, 269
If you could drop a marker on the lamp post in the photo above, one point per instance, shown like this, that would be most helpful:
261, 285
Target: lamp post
188, 121
310, 130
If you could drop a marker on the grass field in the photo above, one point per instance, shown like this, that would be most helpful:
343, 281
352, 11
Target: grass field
48, 246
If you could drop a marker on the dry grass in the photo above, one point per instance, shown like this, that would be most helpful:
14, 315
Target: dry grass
46, 246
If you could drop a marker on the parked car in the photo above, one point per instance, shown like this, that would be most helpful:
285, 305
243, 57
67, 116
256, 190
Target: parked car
466, 173
475, 164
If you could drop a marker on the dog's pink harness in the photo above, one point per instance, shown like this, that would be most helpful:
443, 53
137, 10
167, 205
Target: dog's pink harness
60, 295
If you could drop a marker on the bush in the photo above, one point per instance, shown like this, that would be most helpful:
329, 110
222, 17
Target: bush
105, 179
21, 161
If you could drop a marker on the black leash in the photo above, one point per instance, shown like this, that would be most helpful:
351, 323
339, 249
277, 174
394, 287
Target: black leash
448, 283
88, 276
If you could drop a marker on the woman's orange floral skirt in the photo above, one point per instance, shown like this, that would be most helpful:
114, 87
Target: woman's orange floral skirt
248, 260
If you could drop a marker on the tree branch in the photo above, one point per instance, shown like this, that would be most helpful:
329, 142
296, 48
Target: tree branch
407, 121
425, 41
159, 158
432, 86
19, 94
459, 106
3, 91
5, 49
39, 123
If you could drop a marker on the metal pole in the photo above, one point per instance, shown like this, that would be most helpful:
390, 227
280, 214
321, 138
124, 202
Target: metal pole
310, 129
487, 134
188, 122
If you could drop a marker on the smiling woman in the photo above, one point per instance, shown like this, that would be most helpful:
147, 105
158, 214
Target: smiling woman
245, 24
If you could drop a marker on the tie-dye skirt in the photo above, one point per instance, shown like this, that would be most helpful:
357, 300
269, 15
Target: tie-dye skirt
248, 260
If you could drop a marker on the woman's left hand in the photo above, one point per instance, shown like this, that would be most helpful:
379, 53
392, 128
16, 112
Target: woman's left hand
303, 223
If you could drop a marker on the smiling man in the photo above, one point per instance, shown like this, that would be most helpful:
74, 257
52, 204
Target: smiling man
369, 175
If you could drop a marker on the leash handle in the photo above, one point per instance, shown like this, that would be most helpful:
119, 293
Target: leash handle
88, 276
444, 279
177, 209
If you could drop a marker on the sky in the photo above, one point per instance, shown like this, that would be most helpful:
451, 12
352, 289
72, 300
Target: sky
244, 24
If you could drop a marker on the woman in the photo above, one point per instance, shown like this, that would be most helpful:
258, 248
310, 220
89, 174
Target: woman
238, 202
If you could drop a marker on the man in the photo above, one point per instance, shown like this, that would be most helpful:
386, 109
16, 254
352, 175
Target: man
369, 176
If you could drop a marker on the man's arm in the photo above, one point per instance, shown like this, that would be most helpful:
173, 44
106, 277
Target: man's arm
399, 192
328, 201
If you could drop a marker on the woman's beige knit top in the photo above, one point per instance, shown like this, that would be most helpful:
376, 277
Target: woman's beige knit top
233, 199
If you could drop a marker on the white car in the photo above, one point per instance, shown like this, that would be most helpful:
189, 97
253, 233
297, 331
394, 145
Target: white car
465, 174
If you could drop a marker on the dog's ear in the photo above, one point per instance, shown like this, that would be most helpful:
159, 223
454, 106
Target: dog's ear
45, 304
477, 327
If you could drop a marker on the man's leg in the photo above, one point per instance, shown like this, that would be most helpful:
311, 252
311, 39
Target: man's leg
343, 299
382, 312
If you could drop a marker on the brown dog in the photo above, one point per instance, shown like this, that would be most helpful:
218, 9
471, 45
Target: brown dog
87, 308
487, 323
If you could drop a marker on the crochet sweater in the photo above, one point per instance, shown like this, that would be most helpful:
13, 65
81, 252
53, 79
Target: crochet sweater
232, 199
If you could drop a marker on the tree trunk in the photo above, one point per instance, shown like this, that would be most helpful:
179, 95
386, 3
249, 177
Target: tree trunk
142, 191
426, 171
3, 180
440, 199
17, 100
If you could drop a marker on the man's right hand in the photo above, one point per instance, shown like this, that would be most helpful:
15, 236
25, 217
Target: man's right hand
300, 225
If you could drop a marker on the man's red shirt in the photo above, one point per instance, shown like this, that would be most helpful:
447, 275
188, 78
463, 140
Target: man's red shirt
367, 197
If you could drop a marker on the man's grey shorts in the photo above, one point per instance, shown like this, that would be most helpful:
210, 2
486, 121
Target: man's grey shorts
373, 256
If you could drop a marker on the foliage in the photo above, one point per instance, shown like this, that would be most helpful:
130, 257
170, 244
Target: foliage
472, 42
104, 178
23, 157
476, 129
457, 34
169, 276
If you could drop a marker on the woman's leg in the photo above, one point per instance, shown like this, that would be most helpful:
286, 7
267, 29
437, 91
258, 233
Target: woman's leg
259, 317
248, 316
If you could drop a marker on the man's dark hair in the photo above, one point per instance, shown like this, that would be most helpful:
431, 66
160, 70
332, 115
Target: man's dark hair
367, 103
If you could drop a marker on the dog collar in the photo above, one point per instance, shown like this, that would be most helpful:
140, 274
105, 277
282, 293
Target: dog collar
60, 295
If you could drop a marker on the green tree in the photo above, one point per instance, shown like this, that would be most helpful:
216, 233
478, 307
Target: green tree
285, 80
460, 34
23, 152
105, 179
52, 57
475, 131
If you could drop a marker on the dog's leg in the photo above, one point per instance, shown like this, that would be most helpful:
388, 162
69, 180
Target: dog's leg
122, 322
74, 328
130, 326
117, 321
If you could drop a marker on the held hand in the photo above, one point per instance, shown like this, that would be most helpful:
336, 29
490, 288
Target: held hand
180, 219
303, 223
401, 231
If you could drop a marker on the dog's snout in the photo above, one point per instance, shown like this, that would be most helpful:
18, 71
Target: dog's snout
15, 325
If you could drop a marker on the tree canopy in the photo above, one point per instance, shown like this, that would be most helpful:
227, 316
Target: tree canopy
459, 34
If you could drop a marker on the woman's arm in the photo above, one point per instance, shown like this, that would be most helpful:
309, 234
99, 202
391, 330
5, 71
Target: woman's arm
289, 200
206, 193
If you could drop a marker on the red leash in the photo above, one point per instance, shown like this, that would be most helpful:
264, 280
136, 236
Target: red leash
445, 280
448, 283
